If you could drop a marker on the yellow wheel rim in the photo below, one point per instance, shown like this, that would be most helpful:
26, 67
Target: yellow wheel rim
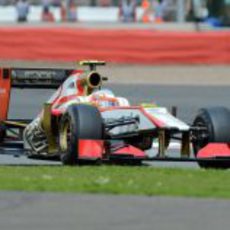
65, 136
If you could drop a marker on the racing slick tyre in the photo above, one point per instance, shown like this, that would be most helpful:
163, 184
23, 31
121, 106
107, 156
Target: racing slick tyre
215, 128
79, 122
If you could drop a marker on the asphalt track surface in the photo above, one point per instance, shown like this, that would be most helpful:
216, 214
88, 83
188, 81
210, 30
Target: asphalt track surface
35, 211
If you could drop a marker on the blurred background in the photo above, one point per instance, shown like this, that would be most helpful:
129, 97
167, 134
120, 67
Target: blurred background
213, 12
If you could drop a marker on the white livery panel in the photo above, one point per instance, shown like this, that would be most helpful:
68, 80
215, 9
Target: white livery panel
168, 120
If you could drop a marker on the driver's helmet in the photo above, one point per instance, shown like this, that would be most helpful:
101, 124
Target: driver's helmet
103, 98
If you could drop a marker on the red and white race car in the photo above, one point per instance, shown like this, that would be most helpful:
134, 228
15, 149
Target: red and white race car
82, 122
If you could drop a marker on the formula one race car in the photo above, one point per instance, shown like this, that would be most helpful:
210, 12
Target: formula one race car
82, 122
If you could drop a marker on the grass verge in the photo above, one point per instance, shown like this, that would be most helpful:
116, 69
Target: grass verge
117, 180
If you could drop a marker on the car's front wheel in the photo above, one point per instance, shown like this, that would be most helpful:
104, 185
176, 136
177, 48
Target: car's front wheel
80, 121
214, 127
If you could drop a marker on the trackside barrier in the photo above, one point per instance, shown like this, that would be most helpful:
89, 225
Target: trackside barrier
120, 46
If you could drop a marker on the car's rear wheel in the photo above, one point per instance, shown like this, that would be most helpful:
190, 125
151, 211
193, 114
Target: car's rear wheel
214, 124
79, 122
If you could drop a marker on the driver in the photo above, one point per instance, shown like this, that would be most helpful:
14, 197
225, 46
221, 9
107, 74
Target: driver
106, 98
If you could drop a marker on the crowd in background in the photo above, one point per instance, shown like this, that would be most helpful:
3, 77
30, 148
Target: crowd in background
153, 10
127, 9
67, 10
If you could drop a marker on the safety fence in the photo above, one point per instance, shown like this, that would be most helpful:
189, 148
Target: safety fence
83, 14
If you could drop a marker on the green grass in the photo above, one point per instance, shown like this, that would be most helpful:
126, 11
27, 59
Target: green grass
117, 180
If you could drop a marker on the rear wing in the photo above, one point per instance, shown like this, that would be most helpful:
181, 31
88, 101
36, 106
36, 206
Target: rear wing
36, 78
28, 78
